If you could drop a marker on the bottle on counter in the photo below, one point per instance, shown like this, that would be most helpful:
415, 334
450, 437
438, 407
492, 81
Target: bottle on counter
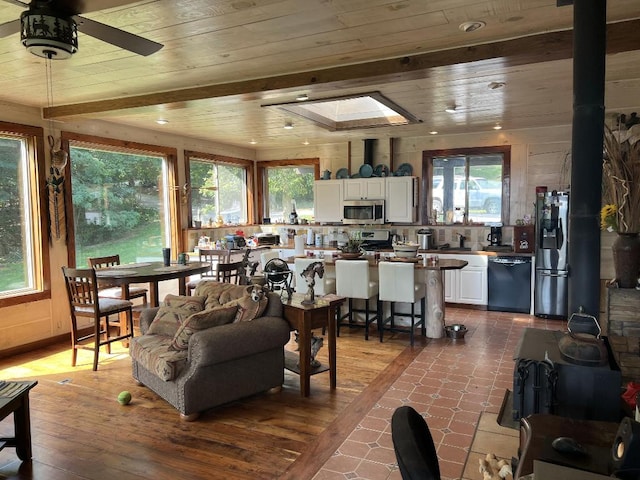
293, 216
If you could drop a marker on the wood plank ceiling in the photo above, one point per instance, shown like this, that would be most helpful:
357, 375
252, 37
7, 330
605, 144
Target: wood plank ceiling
224, 59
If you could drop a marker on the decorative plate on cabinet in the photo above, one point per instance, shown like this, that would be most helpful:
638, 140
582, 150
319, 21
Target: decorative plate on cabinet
366, 170
404, 170
342, 173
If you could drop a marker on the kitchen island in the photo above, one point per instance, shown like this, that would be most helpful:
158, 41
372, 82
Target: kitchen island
431, 275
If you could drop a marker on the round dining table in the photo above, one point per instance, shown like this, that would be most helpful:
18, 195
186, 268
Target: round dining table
151, 273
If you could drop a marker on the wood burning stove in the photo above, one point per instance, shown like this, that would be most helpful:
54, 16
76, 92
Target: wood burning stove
545, 382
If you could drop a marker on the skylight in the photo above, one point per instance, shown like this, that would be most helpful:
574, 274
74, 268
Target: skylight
366, 110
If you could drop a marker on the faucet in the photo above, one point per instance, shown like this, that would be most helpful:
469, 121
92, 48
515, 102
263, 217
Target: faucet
461, 239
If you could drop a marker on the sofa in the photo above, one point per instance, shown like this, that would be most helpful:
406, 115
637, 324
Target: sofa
226, 354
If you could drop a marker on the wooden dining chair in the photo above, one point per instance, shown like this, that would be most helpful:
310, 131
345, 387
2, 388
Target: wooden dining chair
230, 272
214, 257
115, 291
85, 302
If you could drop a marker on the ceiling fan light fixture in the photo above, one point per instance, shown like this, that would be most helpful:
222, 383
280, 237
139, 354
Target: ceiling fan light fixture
497, 126
162, 121
451, 109
253, 141
288, 125
49, 36
303, 97
433, 132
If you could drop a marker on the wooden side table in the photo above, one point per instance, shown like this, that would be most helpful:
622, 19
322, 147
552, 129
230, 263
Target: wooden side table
14, 398
305, 318
537, 431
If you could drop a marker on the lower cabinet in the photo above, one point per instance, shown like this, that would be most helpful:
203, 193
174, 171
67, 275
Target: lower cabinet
469, 284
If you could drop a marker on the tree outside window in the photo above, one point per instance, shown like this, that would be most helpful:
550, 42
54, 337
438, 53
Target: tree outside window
218, 192
119, 205
22, 222
287, 187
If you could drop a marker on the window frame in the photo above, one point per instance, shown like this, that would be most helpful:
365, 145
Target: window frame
248, 165
427, 177
34, 138
124, 146
262, 166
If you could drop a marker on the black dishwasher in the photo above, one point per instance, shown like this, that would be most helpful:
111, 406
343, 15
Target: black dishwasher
509, 284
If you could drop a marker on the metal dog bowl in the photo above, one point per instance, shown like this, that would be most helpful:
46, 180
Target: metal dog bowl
455, 331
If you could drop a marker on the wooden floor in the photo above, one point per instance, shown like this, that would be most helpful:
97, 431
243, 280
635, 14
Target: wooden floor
81, 432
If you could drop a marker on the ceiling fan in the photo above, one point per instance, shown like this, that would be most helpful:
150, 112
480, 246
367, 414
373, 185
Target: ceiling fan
49, 29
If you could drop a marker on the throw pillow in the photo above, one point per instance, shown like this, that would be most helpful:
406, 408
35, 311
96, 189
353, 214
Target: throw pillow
201, 321
173, 312
248, 309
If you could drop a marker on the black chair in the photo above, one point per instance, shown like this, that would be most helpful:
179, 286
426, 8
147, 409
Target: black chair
413, 444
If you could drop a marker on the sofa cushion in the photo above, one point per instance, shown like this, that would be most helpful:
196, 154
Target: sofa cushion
201, 321
248, 309
219, 293
173, 312
154, 353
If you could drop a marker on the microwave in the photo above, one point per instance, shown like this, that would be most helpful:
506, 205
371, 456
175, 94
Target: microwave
355, 212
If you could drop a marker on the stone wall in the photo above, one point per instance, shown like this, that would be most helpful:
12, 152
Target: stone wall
623, 327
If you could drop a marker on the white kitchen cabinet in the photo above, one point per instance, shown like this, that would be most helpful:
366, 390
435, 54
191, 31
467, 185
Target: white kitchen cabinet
327, 200
469, 284
365, 188
401, 199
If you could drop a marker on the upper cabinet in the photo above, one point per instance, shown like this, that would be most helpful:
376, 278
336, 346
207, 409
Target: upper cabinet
401, 200
327, 201
364, 189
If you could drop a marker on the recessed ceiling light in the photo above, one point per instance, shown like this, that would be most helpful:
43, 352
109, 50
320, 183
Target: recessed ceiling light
472, 26
162, 121
497, 126
302, 97
433, 132
288, 125
450, 109
253, 142
496, 85
306, 142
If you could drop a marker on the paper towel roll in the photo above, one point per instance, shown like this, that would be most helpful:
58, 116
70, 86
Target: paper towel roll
298, 242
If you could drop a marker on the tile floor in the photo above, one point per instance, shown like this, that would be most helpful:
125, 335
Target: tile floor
450, 383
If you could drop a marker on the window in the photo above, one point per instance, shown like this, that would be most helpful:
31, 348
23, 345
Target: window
467, 185
23, 239
287, 184
121, 202
218, 187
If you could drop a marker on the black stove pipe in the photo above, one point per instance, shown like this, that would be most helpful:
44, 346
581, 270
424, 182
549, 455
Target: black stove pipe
369, 144
589, 50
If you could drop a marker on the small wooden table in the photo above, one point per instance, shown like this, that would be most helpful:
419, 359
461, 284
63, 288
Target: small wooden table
304, 318
537, 431
14, 398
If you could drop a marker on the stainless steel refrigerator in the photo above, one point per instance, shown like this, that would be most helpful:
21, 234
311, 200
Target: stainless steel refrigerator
552, 243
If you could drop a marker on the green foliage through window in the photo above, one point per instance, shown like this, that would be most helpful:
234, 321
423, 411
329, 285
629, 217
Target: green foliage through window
119, 205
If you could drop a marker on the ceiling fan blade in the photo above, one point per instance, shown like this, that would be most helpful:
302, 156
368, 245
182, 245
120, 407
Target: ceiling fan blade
9, 28
115, 36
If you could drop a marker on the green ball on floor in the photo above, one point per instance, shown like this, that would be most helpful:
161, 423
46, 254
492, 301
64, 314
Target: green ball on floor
124, 398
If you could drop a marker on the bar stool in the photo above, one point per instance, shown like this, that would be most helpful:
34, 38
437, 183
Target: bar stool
353, 281
397, 284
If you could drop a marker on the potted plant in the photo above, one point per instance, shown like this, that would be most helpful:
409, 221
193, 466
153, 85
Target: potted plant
353, 247
621, 194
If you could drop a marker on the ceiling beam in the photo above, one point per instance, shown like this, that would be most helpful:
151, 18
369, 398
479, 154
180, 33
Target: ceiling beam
545, 47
